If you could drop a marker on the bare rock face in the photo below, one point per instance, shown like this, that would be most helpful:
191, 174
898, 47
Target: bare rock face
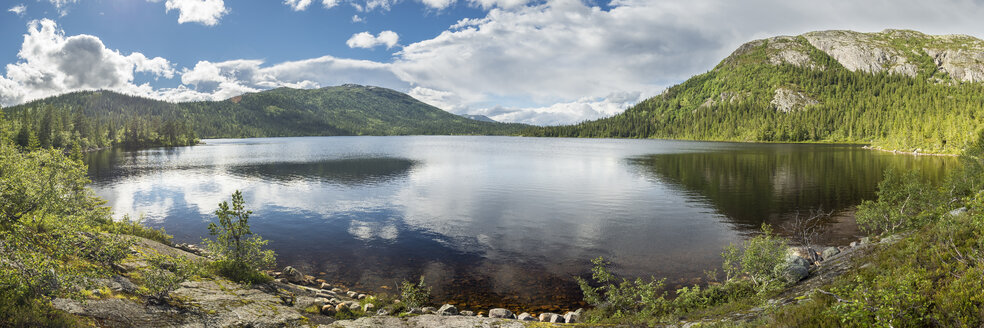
780, 50
862, 52
723, 97
787, 100
964, 65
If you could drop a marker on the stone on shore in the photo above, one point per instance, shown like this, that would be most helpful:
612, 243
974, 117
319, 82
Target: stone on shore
525, 316
572, 317
794, 273
325, 286
328, 310
551, 317
351, 294
292, 275
468, 313
428, 309
501, 313
447, 309
368, 307
829, 252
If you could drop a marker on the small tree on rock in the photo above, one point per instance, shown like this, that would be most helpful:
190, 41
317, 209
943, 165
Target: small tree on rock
240, 252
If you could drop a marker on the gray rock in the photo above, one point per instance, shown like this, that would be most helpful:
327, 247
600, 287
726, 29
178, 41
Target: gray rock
428, 309
292, 275
320, 301
337, 290
525, 316
865, 241
854, 244
368, 307
328, 310
325, 286
415, 311
958, 211
786, 100
428, 321
794, 273
551, 317
361, 296
572, 317
829, 252
447, 309
796, 260
351, 294
383, 311
890, 239
501, 313
468, 313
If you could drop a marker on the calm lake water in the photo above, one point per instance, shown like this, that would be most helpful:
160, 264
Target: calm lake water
501, 221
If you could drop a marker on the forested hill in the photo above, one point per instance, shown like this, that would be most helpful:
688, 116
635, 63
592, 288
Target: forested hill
96, 119
342, 110
896, 89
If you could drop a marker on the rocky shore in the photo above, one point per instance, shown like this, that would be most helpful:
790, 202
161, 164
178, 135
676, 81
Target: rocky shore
295, 299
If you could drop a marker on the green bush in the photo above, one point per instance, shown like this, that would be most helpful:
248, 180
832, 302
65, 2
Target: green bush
620, 298
415, 295
240, 252
761, 259
165, 273
904, 202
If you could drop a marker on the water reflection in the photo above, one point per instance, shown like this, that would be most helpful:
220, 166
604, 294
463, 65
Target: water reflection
351, 172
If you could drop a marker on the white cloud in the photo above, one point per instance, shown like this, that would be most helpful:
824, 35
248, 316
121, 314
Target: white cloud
328, 4
357, 19
298, 5
437, 4
368, 41
205, 12
217, 81
51, 63
18, 9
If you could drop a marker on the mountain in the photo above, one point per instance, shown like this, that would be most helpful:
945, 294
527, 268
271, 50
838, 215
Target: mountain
896, 89
482, 118
331, 111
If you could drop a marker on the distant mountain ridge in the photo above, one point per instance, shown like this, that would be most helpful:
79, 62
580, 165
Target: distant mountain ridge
341, 110
896, 89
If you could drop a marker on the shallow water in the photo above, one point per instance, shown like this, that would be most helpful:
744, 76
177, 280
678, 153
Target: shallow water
496, 221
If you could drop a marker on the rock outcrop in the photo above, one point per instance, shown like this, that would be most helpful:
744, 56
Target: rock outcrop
786, 100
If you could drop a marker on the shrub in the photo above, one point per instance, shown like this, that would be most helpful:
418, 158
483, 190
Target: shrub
622, 298
165, 273
240, 252
761, 259
904, 202
415, 294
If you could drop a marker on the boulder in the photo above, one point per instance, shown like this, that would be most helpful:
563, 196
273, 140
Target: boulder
525, 316
796, 260
361, 296
325, 286
794, 273
551, 317
341, 306
328, 310
468, 313
447, 309
572, 317
320, 301
383, 311
337, 290
368, 307
958, 211
501, 313
829, 252
428, 309
292, 275
352, 294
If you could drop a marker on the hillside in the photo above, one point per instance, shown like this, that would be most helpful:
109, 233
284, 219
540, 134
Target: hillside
896, 89
103, 118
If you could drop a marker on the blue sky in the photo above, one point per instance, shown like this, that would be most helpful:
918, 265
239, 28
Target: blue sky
540, 62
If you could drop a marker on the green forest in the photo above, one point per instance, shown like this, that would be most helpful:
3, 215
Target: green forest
98, 119
733, 102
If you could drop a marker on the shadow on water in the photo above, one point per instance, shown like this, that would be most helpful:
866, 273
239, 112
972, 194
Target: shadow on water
350, 172
774, 183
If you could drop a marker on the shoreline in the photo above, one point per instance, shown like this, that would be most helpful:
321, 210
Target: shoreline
913, 153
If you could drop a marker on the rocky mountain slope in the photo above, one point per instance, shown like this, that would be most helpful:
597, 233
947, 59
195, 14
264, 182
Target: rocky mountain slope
897, 89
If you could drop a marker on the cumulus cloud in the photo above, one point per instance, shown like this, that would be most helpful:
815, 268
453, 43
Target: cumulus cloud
205, 12
357, 19
18, 9
368, 41
437, 4
216, 81
298, 5
51, 63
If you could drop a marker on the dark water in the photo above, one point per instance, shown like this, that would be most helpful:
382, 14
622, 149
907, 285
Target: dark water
496, 220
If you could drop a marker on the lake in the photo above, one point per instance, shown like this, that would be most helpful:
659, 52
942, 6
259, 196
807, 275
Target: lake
497, 221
